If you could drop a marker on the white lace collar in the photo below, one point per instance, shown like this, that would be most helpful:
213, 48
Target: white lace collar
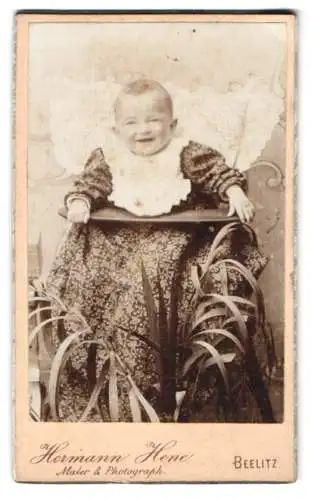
150, 185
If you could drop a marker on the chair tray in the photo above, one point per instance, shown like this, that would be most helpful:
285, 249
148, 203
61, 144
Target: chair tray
111, 214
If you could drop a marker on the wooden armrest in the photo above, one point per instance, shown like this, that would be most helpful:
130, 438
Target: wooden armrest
191, 216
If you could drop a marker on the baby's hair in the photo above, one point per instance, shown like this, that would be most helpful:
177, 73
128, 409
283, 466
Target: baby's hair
139, 87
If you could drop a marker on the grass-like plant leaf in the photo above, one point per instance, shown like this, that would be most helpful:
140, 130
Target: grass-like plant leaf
243, 302
34, 415
134, 406
236, 265
218, 360
38, 299
39, 327
194, 275
226, 358
57, 299
214, 313
141, 337
167, 335
232, 320
151, 413
38, 310
197, 353
162, 317
150, 305
70, 352
220, 331
57, 364
220, 236
224, 278
226, 300
179, 397
113, 389
99, 385
270, 346
202, 307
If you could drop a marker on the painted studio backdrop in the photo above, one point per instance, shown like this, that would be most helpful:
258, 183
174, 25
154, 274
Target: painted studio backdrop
227, 81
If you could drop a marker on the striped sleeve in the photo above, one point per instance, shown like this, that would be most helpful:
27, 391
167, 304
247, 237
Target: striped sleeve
94, 183
206, 167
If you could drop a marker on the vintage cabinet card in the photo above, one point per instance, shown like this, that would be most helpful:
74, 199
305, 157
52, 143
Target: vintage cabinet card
154, 166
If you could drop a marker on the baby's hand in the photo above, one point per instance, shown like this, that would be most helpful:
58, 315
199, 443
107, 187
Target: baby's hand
78, 211
239, 203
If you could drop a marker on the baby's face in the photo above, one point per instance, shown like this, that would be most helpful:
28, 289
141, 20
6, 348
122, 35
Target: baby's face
144, 123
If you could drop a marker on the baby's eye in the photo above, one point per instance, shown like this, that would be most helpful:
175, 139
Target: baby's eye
154, 120
130, 122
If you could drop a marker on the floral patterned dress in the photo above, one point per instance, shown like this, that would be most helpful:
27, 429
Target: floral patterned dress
98, 271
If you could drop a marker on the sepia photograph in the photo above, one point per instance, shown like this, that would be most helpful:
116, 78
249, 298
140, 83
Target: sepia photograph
155, 164
156, 222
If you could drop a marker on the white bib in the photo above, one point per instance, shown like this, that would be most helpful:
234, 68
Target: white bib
147, 185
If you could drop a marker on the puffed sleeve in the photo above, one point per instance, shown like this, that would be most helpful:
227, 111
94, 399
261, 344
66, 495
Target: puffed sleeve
207, 168
94, 183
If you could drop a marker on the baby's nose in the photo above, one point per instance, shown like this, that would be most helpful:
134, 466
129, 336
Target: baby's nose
143, 129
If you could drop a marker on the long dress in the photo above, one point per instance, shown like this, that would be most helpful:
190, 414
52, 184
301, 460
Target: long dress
98, 271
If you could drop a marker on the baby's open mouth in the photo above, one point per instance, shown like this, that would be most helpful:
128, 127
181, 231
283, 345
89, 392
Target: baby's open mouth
146, 139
